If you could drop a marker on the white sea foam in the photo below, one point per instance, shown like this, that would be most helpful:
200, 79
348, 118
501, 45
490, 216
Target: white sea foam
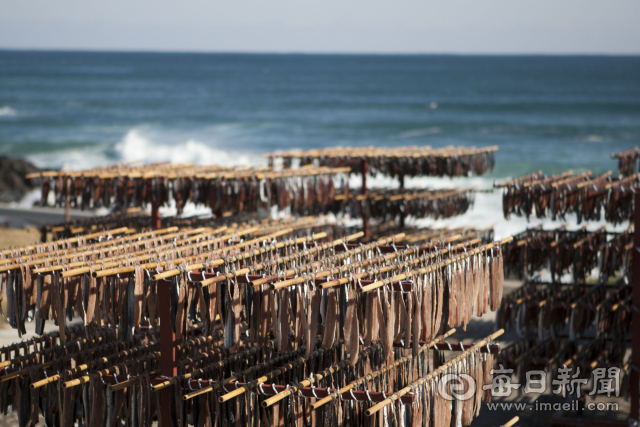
147, 146
28, 199
72, 159
594, 138
7, 111
136, 146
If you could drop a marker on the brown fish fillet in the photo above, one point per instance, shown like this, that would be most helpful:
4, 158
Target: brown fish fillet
408, 321
427, 308
494, 283
332, 320
368, 318
401, 317
479, 278
417, 322
387, 339
138, 294
352, 330
314, 317
265, 313
440, 301
350, 312
236, 306
283, 320
452, 296
304, 321
486, 285
391, 315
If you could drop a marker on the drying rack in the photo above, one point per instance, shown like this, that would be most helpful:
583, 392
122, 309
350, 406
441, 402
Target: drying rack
396, 161
627, 243
168, 347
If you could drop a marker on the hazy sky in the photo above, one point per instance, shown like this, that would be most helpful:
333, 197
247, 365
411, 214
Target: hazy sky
401, 26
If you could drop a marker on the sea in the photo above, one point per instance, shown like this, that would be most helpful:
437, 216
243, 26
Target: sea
76, 110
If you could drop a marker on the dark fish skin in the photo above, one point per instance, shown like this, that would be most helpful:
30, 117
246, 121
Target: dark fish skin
130, 309
11, 308
369, 314
384, 335
314, 315
38, 318
352, 329
20, 301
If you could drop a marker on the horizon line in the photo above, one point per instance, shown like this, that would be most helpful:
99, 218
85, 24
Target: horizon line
309, 53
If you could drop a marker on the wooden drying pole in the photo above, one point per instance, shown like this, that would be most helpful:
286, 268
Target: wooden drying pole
635, 317
407, 389
511, 422
364, 191
431, 268
387, 368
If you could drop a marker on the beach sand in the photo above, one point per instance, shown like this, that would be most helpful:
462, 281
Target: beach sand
12, 237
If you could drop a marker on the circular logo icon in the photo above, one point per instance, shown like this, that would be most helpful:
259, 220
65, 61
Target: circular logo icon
457, 386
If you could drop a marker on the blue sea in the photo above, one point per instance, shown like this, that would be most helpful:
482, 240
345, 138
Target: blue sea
550, 113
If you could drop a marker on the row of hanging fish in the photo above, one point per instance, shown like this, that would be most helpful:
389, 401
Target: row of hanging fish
555, 196
399, 161
232, 329
551, 354
563, 251
305, 191
456, 286
548, 310
391, 204
35, 290
105, 382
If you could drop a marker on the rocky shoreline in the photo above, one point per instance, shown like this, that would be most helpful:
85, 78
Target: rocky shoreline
13, 184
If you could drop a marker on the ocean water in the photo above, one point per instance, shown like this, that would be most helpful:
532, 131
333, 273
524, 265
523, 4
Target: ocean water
550, 113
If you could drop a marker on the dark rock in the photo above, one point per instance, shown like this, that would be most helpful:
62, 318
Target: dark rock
13, 184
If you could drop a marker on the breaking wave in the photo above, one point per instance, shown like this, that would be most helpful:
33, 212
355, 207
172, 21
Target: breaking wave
7, 111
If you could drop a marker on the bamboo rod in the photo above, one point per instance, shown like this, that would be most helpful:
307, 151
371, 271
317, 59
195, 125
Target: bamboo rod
132, 381
198, 266
175, 380
113, 264
25, 249
372, 375
110, 261
511, 422
402, 392
317, 377
412, 273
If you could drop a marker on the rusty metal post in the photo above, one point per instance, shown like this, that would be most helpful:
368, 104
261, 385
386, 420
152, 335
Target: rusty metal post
364, 192
168, 353
635, 319
67, 202
155, 216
